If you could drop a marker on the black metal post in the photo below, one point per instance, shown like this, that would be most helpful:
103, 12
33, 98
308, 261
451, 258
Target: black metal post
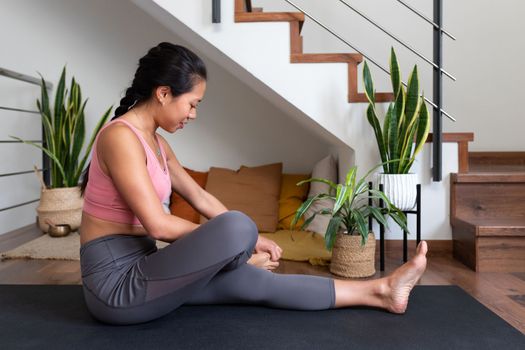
381, 238
418, 216
405, 243
437, 147
216, 11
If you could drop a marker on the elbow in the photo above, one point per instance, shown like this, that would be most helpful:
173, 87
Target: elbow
156, 229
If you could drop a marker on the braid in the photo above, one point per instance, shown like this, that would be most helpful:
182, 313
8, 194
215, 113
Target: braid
129, 100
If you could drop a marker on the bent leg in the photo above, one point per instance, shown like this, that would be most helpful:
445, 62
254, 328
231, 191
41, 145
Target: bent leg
252, 285
163, 280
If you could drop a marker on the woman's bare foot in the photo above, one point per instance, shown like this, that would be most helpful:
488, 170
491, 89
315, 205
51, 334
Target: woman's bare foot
402, 280
263, 261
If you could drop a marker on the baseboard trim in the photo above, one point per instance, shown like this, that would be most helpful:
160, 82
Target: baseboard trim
435, 247
13, 239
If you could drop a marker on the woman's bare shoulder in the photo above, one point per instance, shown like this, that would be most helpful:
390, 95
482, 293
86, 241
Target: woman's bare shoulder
117, 139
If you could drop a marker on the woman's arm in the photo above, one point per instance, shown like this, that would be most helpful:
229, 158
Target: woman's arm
124, 157
182, 183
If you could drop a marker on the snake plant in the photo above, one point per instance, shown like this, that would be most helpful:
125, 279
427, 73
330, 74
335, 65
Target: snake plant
406, 121
351, 209
64, 129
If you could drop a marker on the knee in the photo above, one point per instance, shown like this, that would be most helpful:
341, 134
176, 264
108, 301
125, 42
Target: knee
238, 228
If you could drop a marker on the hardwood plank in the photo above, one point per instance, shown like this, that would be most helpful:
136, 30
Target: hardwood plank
326, 57
497, 158
483, 201
464, 242
296, 40
241, 17
501, 255
463, 157
17, 237
491, 178
454, 137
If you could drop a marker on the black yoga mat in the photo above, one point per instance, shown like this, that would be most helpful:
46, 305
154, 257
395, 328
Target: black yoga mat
438, 317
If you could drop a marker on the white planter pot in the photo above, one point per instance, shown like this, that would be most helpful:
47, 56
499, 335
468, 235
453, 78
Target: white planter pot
400, 189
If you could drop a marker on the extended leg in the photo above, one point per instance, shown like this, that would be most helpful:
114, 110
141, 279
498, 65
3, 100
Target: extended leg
252, 285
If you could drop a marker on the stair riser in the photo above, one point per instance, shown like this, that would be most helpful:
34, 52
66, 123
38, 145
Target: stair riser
488, 254
500, 254
488, 200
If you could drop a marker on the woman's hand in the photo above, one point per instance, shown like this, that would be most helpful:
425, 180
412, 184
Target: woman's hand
265, 245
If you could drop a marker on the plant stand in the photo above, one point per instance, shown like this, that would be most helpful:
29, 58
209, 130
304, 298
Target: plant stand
417, 212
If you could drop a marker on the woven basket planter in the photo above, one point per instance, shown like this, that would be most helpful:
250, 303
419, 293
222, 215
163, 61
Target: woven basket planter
350, 259
60, 206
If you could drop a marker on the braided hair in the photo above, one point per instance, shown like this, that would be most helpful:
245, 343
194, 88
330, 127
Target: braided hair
164, 65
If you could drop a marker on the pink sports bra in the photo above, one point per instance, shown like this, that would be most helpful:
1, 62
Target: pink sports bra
101, 198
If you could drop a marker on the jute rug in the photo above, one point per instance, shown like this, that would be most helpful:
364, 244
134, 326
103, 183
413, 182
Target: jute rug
51, 248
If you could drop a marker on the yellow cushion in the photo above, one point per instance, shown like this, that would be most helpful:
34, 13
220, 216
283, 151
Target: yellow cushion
301, 246
291, 198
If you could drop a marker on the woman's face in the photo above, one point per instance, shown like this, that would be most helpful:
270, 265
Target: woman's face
178, 111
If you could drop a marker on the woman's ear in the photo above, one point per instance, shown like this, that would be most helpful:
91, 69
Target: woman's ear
162, 93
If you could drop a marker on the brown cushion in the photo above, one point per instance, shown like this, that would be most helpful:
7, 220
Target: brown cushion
291, 198
178, 205
251, 190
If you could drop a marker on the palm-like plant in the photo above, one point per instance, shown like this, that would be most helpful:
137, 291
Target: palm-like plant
407, 117
351, 209
64, 129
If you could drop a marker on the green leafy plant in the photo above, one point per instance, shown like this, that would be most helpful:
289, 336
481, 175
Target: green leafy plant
406, 118
64, 129
351, 209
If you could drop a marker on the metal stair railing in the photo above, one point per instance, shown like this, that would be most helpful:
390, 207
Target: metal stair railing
45, 159
436, 63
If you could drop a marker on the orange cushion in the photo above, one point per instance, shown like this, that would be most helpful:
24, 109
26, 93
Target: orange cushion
291, 198
251, 190
178, 205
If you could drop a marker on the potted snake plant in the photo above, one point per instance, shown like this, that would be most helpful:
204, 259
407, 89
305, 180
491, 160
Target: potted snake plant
64, 129
347, 234
404, 132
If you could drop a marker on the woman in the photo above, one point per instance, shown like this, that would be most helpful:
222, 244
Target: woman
126, 279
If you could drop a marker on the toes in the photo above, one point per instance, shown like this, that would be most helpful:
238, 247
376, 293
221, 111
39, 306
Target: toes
422, 248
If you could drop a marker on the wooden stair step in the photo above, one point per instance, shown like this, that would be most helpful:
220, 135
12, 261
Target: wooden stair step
499, 162
326, 57
504, 158
296, 20
490, 246
490, 177
511, 227
269, 17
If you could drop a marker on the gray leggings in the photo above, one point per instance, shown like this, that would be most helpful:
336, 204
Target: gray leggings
127, 280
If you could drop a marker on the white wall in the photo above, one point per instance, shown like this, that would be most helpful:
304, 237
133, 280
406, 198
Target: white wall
486, 59
101, 42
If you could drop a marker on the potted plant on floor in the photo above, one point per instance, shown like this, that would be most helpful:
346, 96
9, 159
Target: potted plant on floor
347, 234
404, 132
64, 129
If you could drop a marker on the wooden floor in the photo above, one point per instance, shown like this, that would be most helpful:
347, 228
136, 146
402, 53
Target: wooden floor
503, 293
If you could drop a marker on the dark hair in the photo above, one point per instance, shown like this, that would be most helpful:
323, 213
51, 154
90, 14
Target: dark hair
164, 65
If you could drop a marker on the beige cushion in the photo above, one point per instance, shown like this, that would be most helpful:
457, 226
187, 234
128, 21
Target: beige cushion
251, 190
326, 168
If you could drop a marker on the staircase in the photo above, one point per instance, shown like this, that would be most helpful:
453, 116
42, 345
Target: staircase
264, 50
488, 212
296, 20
